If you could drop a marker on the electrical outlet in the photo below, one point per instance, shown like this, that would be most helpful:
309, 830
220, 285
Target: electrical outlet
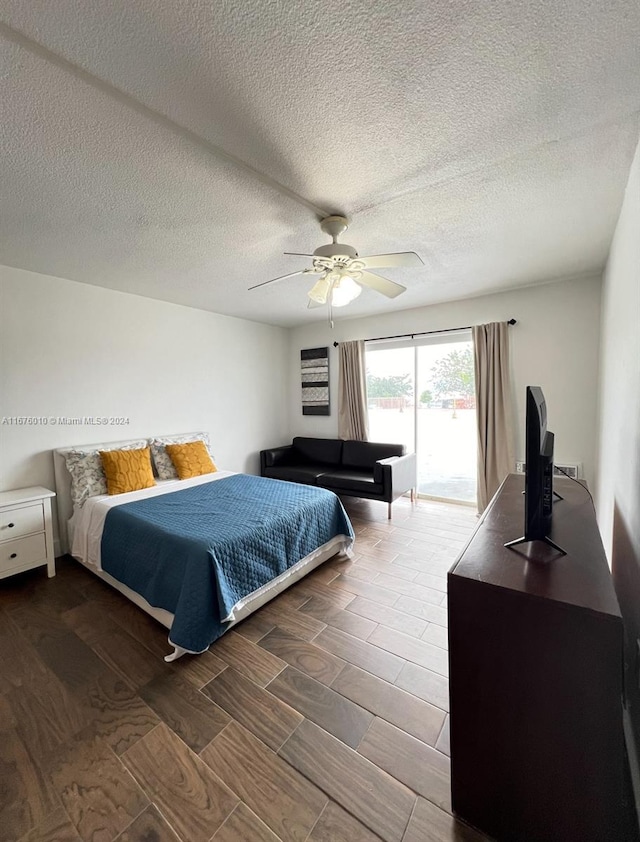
520, 467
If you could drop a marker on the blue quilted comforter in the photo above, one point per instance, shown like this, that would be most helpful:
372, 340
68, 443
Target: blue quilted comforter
199, 551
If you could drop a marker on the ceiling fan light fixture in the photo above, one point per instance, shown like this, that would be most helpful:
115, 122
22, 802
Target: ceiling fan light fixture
345, 290
343, 272
320, 290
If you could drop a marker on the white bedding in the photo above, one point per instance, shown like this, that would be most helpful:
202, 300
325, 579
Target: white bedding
87, 523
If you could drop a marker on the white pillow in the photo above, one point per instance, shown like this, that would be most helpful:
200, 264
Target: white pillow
162, 460
85, 467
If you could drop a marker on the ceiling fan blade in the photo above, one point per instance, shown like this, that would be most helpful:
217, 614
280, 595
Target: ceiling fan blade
401, 258
389, 288
281, 278
297, 254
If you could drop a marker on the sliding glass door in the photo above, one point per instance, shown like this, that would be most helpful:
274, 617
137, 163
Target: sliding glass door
446, 441
390, 395
421, 394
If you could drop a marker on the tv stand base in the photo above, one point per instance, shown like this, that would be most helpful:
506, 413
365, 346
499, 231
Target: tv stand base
524, 540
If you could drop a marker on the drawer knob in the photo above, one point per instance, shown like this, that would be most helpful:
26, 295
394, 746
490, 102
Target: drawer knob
11, 525
13, 555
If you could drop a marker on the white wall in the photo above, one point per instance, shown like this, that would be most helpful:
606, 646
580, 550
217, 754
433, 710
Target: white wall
619, 463
553, 345
71, 349
618, 498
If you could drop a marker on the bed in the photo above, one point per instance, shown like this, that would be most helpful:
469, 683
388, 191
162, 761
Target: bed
201, 554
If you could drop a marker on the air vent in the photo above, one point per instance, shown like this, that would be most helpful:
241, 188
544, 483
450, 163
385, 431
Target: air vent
572, 471
560, 470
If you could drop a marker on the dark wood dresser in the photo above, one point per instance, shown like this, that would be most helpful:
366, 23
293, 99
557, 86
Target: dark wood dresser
535, 652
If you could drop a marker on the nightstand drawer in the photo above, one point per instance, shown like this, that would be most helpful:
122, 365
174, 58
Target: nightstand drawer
22, 521
24, 551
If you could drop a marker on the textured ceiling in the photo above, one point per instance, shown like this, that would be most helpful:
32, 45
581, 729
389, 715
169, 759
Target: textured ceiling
175, 150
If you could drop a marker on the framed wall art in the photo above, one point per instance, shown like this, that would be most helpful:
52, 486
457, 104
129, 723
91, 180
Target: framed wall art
314, 372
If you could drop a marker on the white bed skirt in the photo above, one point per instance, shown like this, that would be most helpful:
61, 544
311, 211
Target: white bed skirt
242, 609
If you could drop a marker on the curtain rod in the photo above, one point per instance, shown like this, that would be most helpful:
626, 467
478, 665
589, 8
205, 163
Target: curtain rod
423, 333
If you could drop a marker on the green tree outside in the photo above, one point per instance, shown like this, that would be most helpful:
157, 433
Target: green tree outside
394, 386
453, 375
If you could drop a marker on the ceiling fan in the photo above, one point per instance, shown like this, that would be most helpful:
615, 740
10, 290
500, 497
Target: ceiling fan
343, 273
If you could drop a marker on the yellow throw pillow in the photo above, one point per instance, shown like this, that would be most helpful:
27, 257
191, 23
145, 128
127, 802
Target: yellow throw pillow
127, 470
190, 459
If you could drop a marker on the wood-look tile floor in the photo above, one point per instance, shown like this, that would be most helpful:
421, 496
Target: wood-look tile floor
323, 717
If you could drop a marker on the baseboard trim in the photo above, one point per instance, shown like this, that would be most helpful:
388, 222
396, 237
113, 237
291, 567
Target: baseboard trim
465, 503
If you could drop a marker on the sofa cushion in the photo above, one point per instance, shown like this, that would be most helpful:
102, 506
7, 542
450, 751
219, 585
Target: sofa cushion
350, 481
320, 450
307, 473
364, 454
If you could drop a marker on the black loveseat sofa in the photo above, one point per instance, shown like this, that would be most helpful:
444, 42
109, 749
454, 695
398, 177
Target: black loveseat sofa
355, 468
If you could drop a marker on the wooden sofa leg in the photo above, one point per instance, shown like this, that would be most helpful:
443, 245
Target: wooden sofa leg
389, 511
413, 495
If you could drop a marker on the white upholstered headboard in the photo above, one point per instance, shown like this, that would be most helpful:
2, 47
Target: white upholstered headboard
63, 478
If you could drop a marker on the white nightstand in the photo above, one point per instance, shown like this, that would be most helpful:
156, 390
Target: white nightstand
26, 534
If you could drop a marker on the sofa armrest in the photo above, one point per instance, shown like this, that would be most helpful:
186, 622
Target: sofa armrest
397, 475
275, 456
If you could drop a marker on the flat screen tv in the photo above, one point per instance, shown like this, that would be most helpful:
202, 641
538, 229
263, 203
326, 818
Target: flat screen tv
538, 484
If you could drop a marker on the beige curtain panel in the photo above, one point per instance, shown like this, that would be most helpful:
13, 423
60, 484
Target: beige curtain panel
493, 402
353, 420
